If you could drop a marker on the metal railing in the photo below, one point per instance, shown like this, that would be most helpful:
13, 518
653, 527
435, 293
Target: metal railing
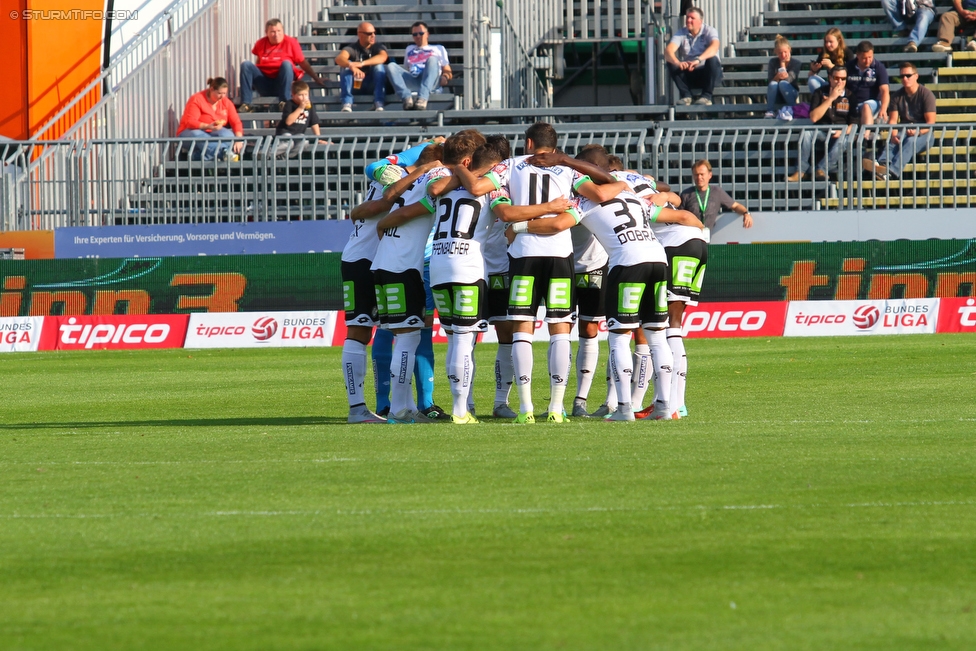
105, 182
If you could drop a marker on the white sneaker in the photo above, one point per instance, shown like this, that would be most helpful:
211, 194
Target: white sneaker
377, 106
363, 415
625, 414
346, 108
971, 45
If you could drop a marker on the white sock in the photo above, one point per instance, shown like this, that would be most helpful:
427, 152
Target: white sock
460, 372
504, 374
560, 362
611, 400
621, 368
642, 375
522, 367
587, 356
470, 398
663, 363
354, 371
401, 371
677, 345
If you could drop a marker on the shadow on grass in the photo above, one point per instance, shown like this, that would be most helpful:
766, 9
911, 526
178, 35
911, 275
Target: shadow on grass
294, 421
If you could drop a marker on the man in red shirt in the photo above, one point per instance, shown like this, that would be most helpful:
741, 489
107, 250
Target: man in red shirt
279, 62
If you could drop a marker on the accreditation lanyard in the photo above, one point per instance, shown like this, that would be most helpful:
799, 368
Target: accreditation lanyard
703, 204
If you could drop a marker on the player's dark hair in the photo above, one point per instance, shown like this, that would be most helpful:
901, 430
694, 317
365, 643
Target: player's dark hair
865, 46
486, 155
501, 143
430, 153
542, 134
595, 154
461, 145
616, 164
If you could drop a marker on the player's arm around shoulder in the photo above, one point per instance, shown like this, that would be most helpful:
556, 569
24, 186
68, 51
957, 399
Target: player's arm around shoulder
664, 215
401, 216
371, 208
557, 224
601, 193
394, 190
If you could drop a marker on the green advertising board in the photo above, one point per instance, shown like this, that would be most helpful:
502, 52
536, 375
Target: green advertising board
840, 270
250, 283
244, 283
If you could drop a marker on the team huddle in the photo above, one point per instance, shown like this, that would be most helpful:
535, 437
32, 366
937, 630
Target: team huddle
503, 236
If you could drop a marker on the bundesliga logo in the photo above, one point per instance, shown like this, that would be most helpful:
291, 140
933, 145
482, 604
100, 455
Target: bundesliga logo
866, 316
264, 328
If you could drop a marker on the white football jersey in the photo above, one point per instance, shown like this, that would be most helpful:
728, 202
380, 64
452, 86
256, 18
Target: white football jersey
677, 234
495, 249
461, 226
639, 185
363, 240
402, 247
588, 253
622, 225
529, 185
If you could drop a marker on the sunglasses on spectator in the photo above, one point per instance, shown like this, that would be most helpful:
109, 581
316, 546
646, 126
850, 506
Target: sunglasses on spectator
419, 33
368, 33
839, 78
909, 75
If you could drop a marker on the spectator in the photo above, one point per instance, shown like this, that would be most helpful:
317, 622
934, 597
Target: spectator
279, 63
782, 77
913, 103
706, 201
425, 67
297, 116
363, 68
833, 53
693, 59
207, 115
831, 105
924, 15
867, 81
963, 13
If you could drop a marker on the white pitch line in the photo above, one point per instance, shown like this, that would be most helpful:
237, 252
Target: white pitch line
516, 511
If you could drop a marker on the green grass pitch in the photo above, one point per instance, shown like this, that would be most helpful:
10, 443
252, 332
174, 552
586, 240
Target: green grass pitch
822, 495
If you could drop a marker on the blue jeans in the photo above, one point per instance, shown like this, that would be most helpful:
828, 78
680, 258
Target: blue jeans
895, 157
815, 82
835, 149
923, 18
213, 149
374, 82
252, 79
404, 84
778, 89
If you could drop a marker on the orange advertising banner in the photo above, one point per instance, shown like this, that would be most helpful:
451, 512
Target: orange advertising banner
37, 245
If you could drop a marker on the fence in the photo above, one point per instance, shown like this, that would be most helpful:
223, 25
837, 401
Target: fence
114, 182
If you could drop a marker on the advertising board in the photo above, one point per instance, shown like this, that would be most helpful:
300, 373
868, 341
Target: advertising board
855, 318
114, 332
